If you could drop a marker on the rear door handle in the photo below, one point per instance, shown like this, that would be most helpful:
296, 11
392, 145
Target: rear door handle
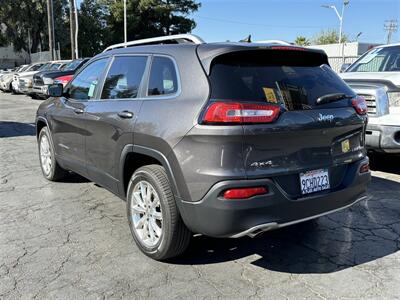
78, 111
125, 114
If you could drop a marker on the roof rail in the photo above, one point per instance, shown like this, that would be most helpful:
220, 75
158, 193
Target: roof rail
178, 38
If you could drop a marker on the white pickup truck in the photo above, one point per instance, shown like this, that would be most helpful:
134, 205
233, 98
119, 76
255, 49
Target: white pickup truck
376, 77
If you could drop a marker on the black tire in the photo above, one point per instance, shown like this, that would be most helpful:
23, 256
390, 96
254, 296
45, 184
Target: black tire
12, 89
55, 172
175, 236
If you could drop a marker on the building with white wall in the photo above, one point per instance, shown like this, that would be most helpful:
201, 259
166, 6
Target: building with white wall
9, 58
350, 49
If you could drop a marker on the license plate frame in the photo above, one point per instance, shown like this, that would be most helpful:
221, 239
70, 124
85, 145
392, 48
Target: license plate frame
314, 181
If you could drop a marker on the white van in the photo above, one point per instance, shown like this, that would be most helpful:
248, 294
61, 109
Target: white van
376, 77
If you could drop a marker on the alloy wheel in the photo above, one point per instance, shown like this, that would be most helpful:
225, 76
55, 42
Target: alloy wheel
146, 214
45, 154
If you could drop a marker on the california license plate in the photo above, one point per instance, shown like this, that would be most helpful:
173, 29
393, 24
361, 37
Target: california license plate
314, 181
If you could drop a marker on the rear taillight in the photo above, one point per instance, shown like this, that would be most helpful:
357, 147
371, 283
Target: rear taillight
360, 105
244, 193
288, 48
364, 168
238, 113
64, 79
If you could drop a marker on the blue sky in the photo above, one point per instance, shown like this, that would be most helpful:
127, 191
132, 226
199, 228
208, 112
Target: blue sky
220, 20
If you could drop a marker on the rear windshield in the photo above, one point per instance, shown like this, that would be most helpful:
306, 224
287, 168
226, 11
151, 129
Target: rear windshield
293, 79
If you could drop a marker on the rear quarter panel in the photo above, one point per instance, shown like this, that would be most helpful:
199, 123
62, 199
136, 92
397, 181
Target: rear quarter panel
164, 121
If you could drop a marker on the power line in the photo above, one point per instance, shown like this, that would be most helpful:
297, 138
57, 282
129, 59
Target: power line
257, 24
391, 27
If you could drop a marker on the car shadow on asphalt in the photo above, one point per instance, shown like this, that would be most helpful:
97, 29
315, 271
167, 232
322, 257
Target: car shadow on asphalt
388, 163
363, 233
16, 129
74, 178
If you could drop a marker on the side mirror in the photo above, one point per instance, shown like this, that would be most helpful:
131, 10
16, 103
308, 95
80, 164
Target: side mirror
344, 67
55, 90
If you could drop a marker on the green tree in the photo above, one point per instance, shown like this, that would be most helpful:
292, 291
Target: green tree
23, 18
302, 41
93, 32
149, 18
329, 37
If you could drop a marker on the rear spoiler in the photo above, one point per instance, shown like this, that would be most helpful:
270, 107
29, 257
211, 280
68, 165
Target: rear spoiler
208, 52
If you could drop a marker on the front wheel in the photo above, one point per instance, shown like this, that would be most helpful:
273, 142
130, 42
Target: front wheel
153, 216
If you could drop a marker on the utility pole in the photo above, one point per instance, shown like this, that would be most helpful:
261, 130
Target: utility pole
391, 27
50, 24
76, 30
29, 44
125, 25
72, 27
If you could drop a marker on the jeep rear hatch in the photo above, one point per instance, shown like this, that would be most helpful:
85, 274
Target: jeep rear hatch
297, 114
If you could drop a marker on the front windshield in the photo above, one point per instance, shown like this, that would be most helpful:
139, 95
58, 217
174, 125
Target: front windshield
44, 67
72, 65
54, 67
34, 67
23, 68
385, 59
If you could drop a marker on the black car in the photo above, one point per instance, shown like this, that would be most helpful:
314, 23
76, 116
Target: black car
221, 139
42, 80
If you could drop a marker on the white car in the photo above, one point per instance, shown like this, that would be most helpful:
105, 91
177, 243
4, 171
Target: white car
7, 78
18, 84
376, 76
25, 79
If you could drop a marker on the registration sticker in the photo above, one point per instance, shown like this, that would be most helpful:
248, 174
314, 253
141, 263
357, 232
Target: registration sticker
314, 181
270, 95
346, 146
92, 88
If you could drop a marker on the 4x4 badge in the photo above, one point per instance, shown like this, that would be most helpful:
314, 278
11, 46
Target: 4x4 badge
258, 164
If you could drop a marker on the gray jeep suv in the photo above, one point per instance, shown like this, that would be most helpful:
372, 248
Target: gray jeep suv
221, 139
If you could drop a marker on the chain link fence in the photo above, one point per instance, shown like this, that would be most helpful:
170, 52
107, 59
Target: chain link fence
44, 56
336, 62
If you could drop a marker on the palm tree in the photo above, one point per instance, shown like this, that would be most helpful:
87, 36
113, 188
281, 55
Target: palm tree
302, 41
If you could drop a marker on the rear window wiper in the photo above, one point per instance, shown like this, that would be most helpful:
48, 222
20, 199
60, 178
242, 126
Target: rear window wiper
333, 97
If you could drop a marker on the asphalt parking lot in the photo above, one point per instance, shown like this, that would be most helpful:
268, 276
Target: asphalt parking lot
71, 240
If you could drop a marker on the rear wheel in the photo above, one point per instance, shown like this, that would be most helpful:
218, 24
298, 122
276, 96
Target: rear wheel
50, 168
153, 216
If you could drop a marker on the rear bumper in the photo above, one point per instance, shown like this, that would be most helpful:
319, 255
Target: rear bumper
384, 138
217, 217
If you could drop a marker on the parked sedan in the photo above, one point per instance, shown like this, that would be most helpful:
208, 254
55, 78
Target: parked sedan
42, 80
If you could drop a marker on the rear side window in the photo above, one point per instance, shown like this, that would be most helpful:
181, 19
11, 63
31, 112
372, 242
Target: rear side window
124, 78
293, 79
163, 78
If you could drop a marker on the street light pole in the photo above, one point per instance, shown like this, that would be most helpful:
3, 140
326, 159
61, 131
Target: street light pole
125, 25
340, 17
